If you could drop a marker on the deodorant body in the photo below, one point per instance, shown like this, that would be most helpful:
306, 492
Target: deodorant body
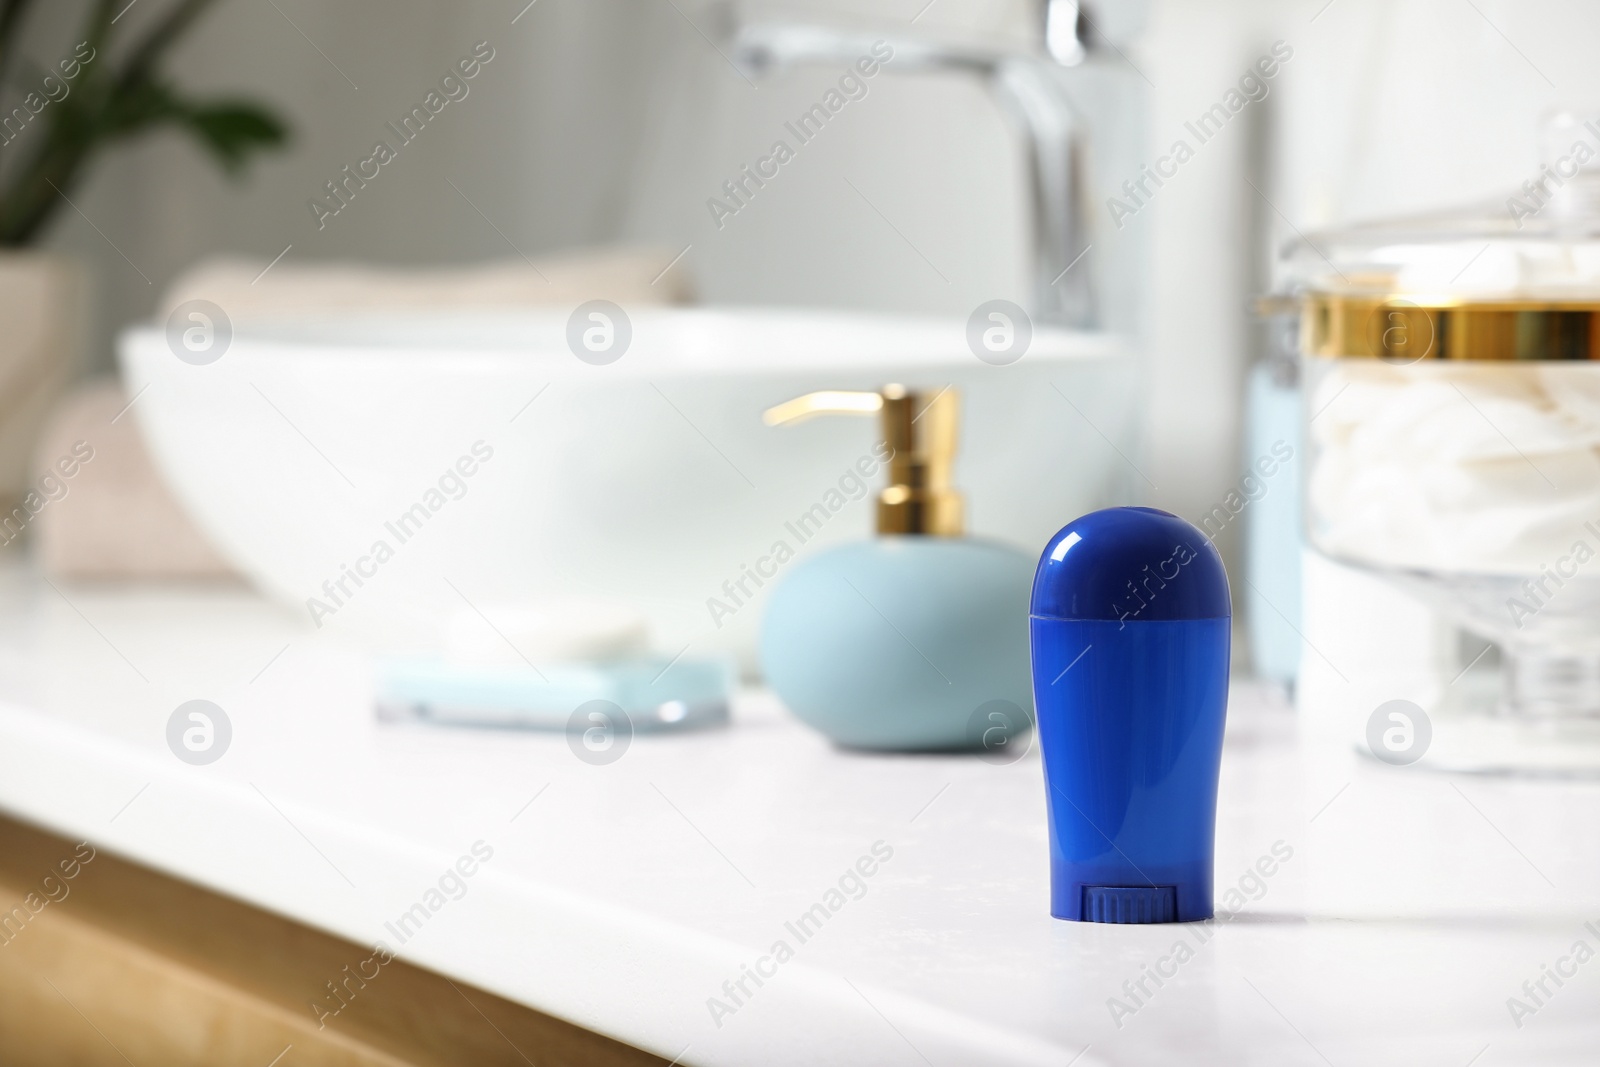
1130, 631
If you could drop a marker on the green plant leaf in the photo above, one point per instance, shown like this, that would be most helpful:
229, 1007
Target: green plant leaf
137, 107
232, 130
111, 101
229, 129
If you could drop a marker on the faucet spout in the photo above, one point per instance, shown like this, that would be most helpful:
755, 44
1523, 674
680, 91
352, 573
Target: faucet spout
1027, 85
1063, 267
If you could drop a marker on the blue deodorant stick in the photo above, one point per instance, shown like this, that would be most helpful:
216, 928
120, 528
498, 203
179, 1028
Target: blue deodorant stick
1130, 630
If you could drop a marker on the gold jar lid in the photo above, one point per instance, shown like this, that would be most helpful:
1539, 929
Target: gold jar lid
1409, 329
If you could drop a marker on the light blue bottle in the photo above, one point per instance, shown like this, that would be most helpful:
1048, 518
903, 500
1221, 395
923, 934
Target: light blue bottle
1272, 524
916, 640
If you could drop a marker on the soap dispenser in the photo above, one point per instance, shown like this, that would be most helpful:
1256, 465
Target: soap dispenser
917, 639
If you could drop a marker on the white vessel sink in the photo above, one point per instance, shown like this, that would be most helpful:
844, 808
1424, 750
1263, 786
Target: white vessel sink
648, 482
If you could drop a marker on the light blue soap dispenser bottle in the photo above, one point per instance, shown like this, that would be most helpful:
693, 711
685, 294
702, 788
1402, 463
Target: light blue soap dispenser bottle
916, 640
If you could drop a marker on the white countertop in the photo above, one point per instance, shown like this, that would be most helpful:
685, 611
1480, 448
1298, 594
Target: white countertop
624, 896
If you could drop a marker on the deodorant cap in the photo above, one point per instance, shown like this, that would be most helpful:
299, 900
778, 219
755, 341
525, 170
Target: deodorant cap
1102, 565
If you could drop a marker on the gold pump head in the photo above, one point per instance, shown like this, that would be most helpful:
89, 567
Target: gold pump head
921, 433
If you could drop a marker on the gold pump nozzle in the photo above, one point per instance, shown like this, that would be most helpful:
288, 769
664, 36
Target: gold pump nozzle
921, 432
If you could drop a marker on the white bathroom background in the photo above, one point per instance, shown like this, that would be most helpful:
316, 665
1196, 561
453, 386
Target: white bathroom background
568, 139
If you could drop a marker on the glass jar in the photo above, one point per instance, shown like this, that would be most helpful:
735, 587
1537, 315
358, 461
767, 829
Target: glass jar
1452, 403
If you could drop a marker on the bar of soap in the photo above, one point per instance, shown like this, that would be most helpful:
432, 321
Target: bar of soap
558, 631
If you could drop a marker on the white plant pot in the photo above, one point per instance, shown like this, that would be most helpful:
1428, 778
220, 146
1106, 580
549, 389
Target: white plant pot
43, 304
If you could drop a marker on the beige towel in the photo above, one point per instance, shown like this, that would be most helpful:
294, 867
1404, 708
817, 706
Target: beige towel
113, 516
623, 276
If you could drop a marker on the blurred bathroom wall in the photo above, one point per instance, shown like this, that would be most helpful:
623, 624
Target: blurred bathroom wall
540, 152
598, 120
1402, 107
1201, 252
601, 120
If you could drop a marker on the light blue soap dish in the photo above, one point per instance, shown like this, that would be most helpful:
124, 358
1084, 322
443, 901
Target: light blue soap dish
654, 693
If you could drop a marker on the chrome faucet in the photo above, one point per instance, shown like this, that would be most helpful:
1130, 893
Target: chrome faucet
1026, 83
